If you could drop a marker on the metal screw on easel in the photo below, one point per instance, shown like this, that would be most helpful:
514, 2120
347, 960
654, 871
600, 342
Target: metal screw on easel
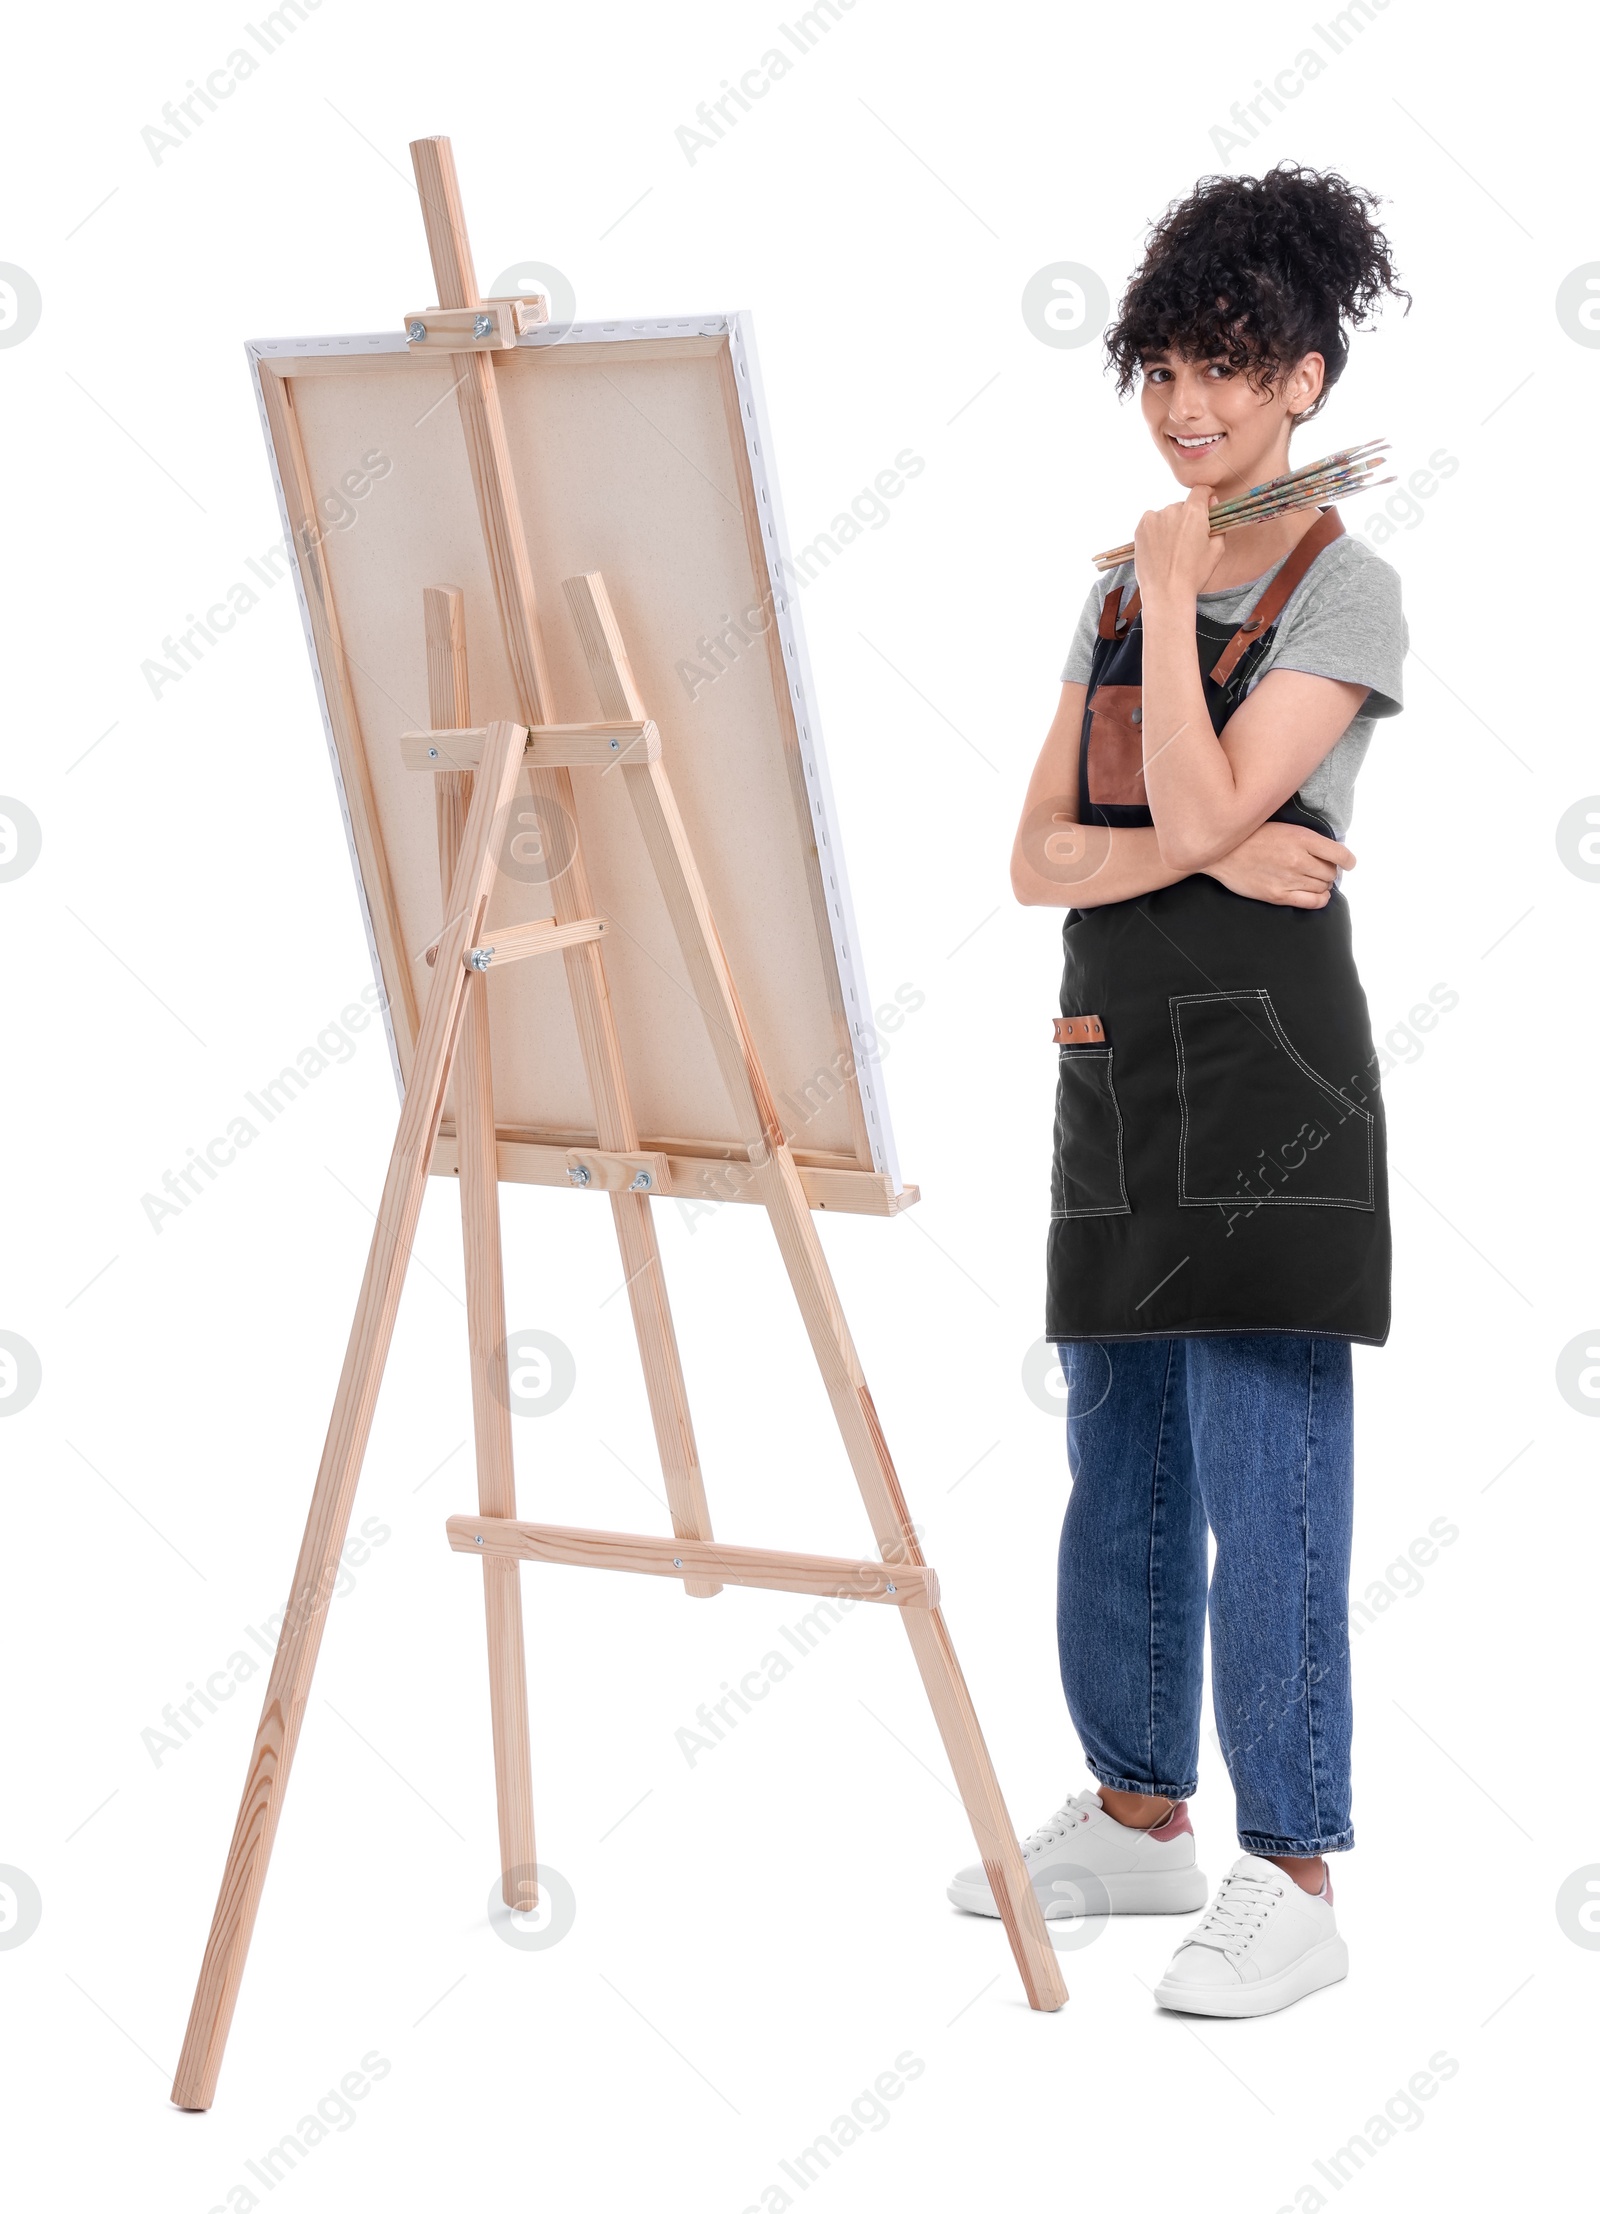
480, 957
433, 753
482, 325
578, 1174
417, 332
479, 1541
641, 1182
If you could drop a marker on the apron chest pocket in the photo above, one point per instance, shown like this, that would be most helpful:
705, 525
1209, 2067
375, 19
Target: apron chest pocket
1086, 1177
1259, 1126
1116, 746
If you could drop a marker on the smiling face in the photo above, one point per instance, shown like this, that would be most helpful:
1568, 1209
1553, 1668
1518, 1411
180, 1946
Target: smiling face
1213, 427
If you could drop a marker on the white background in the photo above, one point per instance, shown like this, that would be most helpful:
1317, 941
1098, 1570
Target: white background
761, 1935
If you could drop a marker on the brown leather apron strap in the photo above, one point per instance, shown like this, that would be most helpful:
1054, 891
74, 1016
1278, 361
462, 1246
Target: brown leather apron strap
1114, 618
1328, 526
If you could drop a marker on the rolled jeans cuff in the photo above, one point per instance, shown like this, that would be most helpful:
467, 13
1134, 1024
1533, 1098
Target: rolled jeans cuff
1295, 1848
1144, 1789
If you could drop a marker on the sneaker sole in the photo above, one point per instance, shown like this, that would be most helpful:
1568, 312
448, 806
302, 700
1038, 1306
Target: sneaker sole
1328, 1963
1154, 1891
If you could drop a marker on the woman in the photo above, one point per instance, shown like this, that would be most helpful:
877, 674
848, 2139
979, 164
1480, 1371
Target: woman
1219, 1231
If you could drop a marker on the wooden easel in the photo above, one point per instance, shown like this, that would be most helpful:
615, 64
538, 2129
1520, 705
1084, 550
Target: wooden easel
477, 771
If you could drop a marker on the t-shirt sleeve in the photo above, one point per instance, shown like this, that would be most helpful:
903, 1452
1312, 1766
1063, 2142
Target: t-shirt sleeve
1345, 622
1080, 654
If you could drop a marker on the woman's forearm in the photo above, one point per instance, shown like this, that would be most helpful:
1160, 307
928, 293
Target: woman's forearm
1057, 861
1084, 865
1188, 778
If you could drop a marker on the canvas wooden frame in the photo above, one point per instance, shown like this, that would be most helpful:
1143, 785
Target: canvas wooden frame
845, 1149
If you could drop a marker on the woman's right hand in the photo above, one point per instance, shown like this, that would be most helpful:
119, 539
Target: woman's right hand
1284, 864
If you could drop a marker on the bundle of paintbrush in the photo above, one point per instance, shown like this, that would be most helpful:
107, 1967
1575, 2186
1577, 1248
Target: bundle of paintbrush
1336, 477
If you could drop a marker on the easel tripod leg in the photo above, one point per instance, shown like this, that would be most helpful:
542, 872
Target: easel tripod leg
491, 1422
663, 1375
317, 1569
942, 1679
979, 1787
445, 632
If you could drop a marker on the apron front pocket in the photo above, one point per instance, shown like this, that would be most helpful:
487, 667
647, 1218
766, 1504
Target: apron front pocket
1258, 1125
1086, 1176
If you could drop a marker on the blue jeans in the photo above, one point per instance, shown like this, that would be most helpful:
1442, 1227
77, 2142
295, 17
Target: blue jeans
1252, 1436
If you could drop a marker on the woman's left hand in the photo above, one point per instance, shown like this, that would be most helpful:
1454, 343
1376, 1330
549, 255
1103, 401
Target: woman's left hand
1284, 864
1174, 552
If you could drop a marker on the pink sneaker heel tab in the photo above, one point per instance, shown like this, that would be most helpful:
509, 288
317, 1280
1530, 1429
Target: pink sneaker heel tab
1175, 1824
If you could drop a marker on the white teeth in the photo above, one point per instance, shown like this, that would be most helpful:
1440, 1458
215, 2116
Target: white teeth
1211, 441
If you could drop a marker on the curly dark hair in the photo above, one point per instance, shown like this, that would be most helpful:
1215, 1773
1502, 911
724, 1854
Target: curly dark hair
1257, 271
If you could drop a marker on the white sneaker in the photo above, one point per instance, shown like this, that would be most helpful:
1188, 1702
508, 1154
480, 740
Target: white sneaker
1264, 1944
1085, 1862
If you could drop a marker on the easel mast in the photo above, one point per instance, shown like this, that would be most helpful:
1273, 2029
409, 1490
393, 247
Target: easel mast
477, 774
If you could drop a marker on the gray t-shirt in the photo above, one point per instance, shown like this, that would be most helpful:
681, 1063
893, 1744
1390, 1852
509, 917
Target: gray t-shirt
1343, 621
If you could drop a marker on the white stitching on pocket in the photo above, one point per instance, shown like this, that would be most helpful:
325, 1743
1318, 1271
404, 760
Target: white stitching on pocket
1260, 1199
1097, 1053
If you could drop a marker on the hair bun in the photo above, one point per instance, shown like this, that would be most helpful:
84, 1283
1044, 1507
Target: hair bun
1257, 271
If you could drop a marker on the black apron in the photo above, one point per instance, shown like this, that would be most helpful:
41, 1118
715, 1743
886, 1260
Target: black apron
1219, 1142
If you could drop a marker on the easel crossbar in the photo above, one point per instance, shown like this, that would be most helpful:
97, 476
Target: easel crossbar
519, 941
551, 746
817, 1575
